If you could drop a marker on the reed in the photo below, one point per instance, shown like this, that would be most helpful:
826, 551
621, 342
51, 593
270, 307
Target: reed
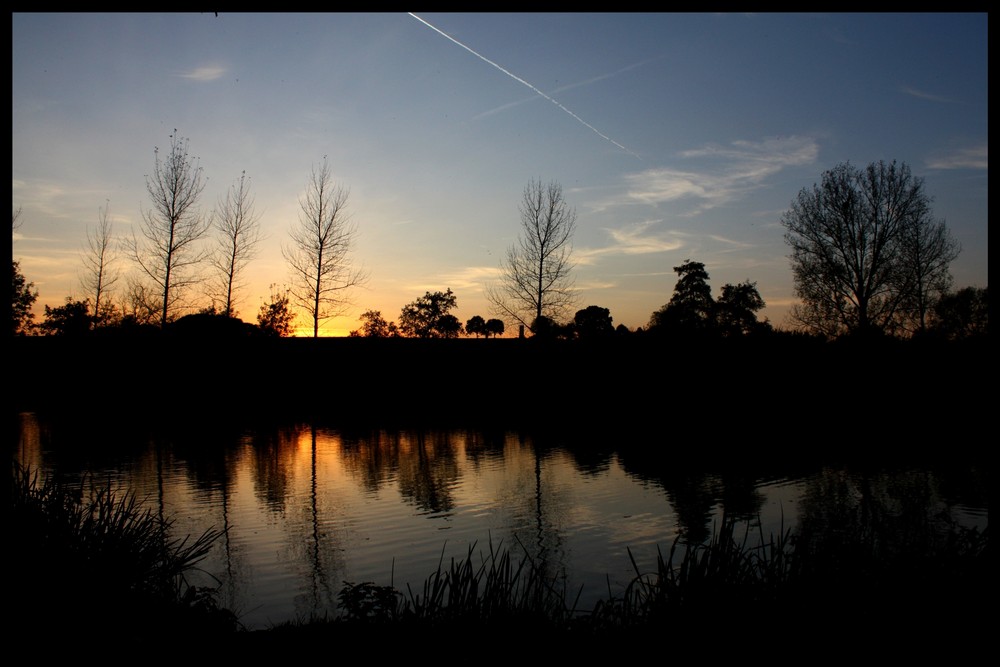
105, 557
484, 590
106, 560
732, 581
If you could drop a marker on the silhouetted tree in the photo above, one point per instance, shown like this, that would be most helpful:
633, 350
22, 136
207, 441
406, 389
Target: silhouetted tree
140, 305
23, 297
319, 254
71, 319
736, 309
535, 276
167, 247
476, 326
210, 323
962, 314
238, 227
691, 309
545, 328
99, 271
494, 327
593, 322
429, 317
861, 249
375, 326
276, 317
927, 249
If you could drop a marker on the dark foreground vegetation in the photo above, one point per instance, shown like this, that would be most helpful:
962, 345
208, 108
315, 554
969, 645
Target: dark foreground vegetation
104, 571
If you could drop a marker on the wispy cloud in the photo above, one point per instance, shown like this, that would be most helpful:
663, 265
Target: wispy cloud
920, 94
464, 279
639, 239
974, 157
204, 73
724, 172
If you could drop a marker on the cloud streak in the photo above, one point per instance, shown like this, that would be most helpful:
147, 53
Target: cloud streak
637, 239
205, 73
744, 166
913, 92
523, 82
975, 157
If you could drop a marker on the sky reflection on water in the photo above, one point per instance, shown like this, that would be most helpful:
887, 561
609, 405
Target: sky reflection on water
306, 509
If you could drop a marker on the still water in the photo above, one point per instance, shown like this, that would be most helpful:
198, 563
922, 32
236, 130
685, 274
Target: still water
305, 509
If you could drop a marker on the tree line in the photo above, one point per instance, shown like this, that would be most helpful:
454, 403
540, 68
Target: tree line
867, 257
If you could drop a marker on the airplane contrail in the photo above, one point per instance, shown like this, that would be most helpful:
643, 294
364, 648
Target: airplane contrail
522, 81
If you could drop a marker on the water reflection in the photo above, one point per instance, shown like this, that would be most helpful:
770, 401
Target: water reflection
305, 507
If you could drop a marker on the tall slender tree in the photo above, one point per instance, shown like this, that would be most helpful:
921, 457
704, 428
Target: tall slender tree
535, 276
319, 253
168, 249
237, 225
100, 272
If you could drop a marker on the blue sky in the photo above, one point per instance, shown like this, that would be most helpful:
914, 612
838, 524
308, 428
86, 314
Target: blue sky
674, 136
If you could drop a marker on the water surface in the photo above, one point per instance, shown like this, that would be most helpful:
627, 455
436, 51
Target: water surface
307, 508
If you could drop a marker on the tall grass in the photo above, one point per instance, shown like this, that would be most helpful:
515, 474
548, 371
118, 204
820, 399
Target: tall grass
102, 562
107, 565
482, 590
738, 579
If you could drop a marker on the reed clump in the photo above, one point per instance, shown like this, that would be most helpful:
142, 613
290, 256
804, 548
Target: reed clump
105, 564
102, 564
737, 581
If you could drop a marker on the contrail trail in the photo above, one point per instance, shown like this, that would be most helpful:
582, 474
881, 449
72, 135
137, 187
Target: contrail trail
522, 81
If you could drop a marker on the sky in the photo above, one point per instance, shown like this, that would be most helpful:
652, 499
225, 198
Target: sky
674, 137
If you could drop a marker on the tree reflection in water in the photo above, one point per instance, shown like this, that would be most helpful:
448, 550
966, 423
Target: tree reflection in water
306, 507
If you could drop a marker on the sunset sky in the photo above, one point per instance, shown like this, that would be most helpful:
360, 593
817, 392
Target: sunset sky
674, 136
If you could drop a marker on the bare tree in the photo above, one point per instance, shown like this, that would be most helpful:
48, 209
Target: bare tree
140, 305
238, 228
99, 271
850, 239
535, 278
927, 249
319, 253
167, 249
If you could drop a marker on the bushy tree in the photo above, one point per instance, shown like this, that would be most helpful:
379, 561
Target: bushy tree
275, 317
375, 326
736, 310
23, 297
593, 322
71, 319
546, 328
429, 316
494, 327
962, 314
476, 326
691, 309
